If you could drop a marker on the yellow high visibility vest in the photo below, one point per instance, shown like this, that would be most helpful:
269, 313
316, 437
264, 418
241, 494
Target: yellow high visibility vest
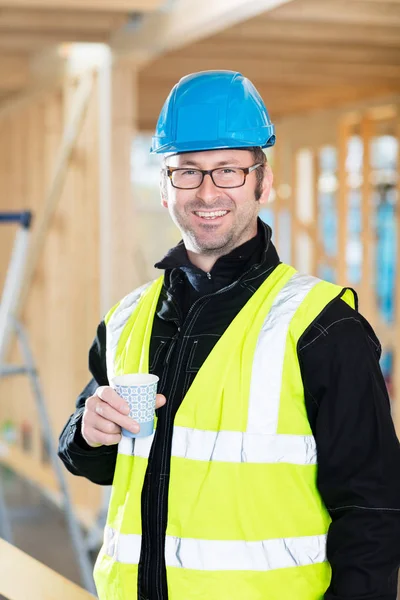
245, 518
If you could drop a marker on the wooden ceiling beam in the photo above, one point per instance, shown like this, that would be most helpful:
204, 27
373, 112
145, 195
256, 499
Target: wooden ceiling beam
14, 72
278, 71
294, 31
49, 20
126, 6
311, 51
30, 42
186, 22
357, 12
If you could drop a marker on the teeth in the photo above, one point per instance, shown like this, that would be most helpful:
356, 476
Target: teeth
211, 215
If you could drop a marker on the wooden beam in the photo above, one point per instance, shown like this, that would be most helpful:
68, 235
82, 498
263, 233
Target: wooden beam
22, 577
281, 50
56, 20
71, 132
127, 6
344, 132
31, 41
275, 71
293, 31
119, 243
367, 292
14, 72
187, 21
357, 12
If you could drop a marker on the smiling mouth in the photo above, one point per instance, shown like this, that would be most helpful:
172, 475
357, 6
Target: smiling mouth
210, 215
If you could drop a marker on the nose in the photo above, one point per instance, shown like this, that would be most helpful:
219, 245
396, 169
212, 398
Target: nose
208, 191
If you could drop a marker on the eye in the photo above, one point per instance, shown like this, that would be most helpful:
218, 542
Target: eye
228, 170
189, 172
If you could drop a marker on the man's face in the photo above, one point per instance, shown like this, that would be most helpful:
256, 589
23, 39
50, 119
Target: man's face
193, 211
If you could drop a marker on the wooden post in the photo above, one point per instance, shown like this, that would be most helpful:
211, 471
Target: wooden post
315, 225
294, 221
367, 235
119, 269
344, 131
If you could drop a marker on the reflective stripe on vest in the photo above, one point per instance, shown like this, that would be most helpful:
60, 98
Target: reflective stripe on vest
116, 321
230, 446
216, 555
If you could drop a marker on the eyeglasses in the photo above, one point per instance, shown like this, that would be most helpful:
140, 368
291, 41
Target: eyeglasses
222, 177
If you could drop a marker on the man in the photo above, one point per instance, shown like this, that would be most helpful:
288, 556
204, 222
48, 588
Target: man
261, 370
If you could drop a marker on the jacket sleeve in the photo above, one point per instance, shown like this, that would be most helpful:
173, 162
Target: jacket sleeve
96, 464
358, 454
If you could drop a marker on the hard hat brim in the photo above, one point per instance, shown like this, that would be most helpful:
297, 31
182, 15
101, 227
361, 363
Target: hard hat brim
203, 145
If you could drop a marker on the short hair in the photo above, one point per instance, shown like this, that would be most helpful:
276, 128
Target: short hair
259, 157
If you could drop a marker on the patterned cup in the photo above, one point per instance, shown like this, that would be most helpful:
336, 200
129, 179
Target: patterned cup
139, 390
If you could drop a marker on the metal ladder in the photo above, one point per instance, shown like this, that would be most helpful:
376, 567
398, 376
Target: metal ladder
10, 326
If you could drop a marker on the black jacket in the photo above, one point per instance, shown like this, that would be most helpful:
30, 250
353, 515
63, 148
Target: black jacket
346, 401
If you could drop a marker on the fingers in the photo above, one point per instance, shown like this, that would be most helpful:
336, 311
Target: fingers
96, 430
160, 400
108, 413
101, 423
104, 416
107, 394
99, 438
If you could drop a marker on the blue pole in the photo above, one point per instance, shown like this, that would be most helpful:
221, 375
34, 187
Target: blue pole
24, 218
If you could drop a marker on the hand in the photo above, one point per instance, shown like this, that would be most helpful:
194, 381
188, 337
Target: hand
104, 415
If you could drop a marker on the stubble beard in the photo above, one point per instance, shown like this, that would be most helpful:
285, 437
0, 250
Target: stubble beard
221, 245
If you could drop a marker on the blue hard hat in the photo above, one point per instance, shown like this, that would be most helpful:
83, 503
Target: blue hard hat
211, 110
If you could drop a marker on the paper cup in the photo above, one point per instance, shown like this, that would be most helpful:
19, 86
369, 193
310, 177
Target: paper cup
139, 390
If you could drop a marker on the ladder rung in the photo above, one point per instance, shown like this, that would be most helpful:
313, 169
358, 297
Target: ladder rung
8, 370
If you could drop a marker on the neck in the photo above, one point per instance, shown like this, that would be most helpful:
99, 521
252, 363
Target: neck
203, 262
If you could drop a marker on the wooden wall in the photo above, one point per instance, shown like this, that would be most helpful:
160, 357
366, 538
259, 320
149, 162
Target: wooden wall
62, 309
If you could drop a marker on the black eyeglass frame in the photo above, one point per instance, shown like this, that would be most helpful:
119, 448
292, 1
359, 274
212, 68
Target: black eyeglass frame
246, 171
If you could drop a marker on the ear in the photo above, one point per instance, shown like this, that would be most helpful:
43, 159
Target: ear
163, 192
266, 185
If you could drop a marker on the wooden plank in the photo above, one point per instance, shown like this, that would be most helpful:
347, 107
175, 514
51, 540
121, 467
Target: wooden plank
186, 22
357, 12
367, 292
17, 102
127, 6
49, 21
14, 72
344, 132
29, 42
24, 578
278, 71
315, 230
69, 138
294, 30
117, 208
280, 50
